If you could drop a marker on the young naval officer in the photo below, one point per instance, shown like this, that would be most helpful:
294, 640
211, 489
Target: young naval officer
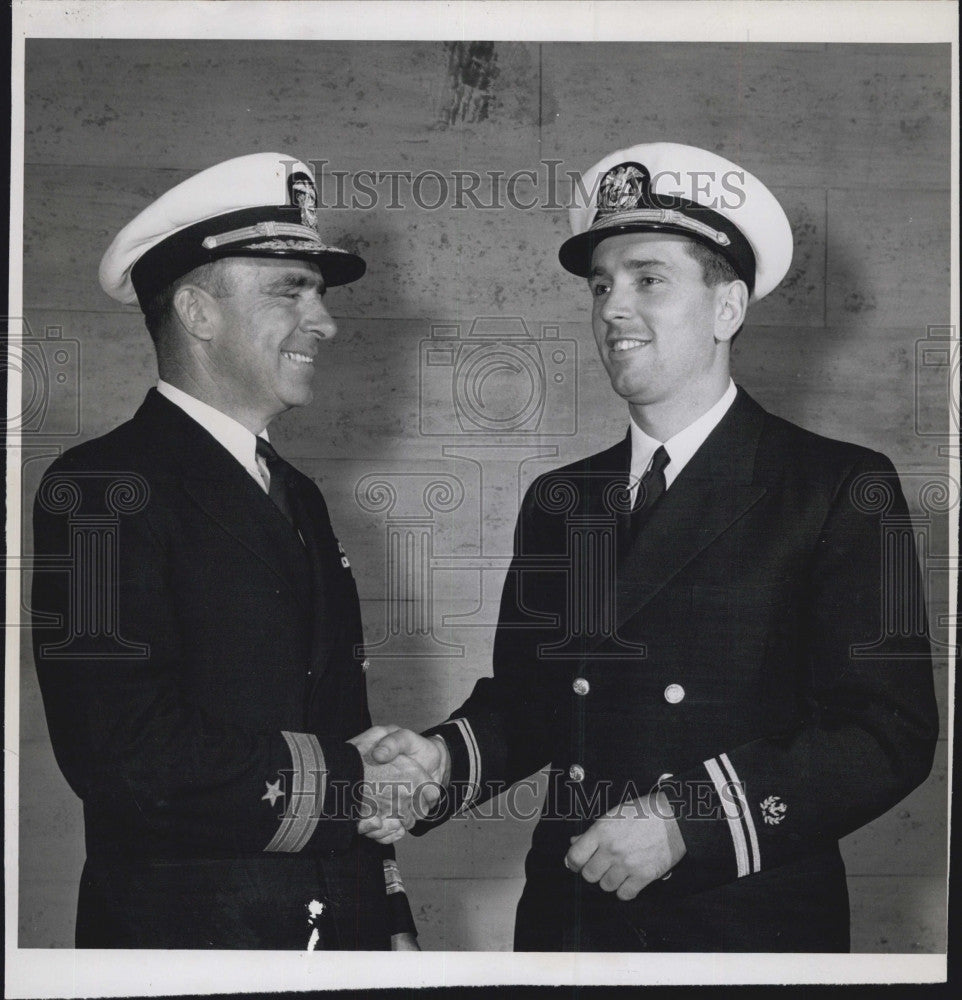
715, 684
197, 627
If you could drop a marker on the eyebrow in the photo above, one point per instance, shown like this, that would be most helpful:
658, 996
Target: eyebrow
635, 264
294, 281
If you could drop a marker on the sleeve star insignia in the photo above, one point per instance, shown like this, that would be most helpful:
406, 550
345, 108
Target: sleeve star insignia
273, 792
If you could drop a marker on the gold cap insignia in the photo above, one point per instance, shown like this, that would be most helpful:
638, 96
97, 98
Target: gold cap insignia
623, 187
304, 195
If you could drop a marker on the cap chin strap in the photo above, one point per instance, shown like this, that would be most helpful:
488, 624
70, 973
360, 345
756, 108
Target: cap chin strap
263, 230
659, 216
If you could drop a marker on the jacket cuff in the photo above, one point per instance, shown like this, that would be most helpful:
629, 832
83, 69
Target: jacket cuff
321, 808
465, 784
721, 841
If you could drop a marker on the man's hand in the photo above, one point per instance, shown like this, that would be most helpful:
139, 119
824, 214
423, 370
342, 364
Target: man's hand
430, 754
397, 790
629, 847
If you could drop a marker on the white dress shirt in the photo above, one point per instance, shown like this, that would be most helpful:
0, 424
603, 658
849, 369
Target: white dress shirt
680, 448
235, 437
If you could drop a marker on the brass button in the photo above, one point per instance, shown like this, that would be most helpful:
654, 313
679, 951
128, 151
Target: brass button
576, 772
365, 664
581, 686
674, 693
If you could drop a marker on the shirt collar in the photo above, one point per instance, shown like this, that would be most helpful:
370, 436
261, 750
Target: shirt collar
683, 445
235, 437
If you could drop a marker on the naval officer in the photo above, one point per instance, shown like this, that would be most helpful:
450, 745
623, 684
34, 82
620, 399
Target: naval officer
197, 629
694, 633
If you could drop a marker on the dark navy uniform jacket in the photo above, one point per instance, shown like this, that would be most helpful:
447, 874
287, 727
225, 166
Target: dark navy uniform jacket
759, 652
201, 670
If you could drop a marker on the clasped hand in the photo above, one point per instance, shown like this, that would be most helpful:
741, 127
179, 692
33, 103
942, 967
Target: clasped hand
629, 847
403, 774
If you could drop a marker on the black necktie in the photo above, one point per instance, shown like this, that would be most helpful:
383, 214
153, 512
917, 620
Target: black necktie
652, 483
278, 470
650, 488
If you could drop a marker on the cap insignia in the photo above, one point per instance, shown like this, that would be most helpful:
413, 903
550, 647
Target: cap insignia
304, 195
623, 187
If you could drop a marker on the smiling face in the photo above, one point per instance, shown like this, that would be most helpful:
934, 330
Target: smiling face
661, 331
263, 338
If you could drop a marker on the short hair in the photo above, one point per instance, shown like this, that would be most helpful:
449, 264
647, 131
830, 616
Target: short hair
159, 309
715, 269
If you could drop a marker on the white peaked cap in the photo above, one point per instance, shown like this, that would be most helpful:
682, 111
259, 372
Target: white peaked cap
668, 187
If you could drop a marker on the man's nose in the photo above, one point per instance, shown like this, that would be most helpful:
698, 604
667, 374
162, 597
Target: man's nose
317, 320
617, 304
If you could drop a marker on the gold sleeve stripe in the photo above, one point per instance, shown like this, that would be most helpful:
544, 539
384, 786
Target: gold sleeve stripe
308, 784
474, 763
731, 814
739, 790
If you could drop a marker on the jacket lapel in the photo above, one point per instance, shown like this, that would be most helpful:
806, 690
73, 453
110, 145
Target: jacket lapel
223, 490
712, 492
238, 507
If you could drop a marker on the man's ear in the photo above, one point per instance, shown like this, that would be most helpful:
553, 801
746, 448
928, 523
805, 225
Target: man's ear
197, 310
731, 306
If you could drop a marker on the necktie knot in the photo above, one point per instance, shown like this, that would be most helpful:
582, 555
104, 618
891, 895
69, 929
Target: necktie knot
265, 450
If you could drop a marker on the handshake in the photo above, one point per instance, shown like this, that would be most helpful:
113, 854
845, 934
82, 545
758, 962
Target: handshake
404, 775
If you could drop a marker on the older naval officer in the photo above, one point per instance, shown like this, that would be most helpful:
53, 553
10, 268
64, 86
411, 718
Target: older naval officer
713, 680
208, 717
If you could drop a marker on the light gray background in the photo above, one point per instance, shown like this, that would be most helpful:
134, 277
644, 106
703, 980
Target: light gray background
853, 139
